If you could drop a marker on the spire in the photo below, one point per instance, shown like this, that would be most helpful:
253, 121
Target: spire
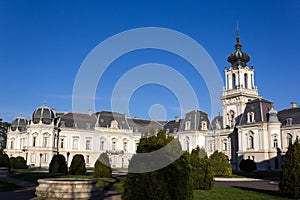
238, 57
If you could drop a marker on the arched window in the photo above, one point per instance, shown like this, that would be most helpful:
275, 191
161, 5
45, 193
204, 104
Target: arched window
250, 117
289, 139
187, 125
250, 140
246, 80
233, 81
187, 143
275, 143
231, 118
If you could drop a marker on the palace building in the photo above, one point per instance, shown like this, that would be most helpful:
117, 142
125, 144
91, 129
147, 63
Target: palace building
250, 128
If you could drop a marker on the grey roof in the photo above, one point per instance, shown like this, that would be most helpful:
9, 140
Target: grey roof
104, 119
19, 123
77, 120
260, 107
195, 117
172, 126
44, 114
292, 113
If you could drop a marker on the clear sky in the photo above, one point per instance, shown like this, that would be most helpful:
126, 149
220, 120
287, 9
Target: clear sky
43, 44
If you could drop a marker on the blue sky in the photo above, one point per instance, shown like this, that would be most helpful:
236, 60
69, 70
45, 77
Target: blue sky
43, 44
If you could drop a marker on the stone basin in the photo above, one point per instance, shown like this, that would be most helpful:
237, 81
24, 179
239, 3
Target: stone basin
66, 188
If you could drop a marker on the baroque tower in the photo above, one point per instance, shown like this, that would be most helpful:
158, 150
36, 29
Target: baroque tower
239, 86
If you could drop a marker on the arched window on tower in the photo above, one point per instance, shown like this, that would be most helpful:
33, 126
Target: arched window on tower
289, 139
246, 80
250, 140
233, 81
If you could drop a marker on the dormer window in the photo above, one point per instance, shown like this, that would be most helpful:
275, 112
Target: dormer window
203, 125
187, 125
289, 122
250, 117
175, 130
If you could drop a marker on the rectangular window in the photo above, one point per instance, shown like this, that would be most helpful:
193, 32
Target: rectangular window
113, 145
225, 146
32, 158
75, 143
45, 141
34, 141
12, 144
125, 146
101, 145
88, 144
87, 159
62, 143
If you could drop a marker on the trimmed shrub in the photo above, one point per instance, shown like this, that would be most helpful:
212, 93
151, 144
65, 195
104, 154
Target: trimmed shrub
290, 174
102, 167
169, 183
19, 163
220, 164
247, 165
4, 161
202, 171
77, 165
58, 164
12, 161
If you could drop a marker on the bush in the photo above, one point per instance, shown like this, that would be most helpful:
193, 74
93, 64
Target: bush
77, 165
171, 182
220, 164
4, 161
58, 164
247, 165
19, 163
290, 174
12, 161
102, 167
202, 171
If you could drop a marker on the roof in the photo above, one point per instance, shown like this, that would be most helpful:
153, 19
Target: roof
292, 113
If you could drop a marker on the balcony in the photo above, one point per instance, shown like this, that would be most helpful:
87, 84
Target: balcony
115, 152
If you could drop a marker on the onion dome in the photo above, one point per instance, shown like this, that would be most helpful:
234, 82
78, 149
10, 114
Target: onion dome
19, 124
43, 114
238, 58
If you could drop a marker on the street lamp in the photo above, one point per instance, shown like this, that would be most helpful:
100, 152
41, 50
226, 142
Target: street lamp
68, 154
57, 140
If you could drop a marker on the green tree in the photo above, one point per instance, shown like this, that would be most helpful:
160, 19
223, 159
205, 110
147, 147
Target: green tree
3, 130
220, 164
202, 171
77, 165
4, 160
102, 167
58, 164
290, 174
19, 163
169, 183
247, 165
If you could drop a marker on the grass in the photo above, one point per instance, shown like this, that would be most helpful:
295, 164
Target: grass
230, 193
4, 187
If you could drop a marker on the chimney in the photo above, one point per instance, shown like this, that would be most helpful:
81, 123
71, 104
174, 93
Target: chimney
293, 105
90, 112
176, 119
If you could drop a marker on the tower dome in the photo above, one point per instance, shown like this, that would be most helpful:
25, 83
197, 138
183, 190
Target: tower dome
238, 57
19, 124
43, 114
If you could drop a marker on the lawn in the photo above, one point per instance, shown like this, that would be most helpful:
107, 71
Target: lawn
230, 193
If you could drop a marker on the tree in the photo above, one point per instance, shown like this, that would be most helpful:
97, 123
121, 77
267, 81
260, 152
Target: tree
290, 174
77, 165
202, 171
58, 164
4, 161
247, 165
168, 183
220, 164
102, 167
3, 130
19, 163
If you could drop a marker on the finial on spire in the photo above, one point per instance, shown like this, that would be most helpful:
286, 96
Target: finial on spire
237, 33
44, 103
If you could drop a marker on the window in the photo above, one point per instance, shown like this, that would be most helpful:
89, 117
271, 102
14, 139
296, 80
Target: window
34, 141
125, 145
250, 117
12, 144
231, 118
187, 143
203, 125
246, 81
32, 158
275, 143
113, 145
187, 125
88, 144
289, 122
233, 81
225, 146
87, 159
210, 147
62, 143
75, 143
45, 141
101, 145
44, 157
175, 130
289, 139
250, 140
